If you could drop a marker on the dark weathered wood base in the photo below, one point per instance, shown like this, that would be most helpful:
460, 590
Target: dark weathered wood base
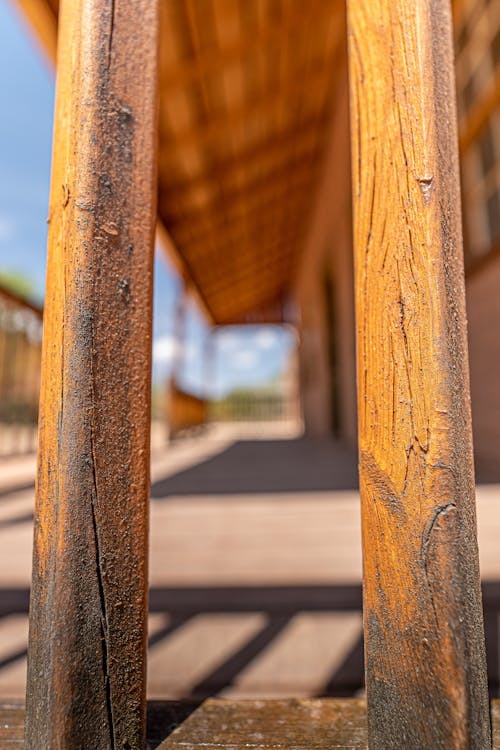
318, 724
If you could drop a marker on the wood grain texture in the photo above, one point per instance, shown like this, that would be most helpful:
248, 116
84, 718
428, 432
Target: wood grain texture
86, 665
323, 724
298, 724
426, 673
12, 717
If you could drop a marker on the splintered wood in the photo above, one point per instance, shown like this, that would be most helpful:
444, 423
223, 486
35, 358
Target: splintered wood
426, 672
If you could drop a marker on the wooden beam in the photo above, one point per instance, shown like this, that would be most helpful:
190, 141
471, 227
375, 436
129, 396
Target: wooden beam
275, 148
268, 310
267, 265
458, 8
425, 660
266, 200
252, 247
220, 198
15, 299
171, 251
219, 269
87, 644
288, 220
316, 76
480, 114
315, 723
250, 244
481, 263
204, 230
212, 62
43, 20
247, 299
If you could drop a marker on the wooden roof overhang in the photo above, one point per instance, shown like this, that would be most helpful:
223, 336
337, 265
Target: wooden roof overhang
247, 91
11, 299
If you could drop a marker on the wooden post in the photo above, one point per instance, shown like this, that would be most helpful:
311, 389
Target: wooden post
87, 647
426, 672
209, 354
180, 334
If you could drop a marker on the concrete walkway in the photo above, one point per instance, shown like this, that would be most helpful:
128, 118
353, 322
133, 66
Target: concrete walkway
255, 567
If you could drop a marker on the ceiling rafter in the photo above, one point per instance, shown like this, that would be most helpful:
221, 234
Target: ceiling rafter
217, 200
311, 80
267, 216
265, 269
275, 150
264, 200
229, 312
255, 235
215, 61
246, 257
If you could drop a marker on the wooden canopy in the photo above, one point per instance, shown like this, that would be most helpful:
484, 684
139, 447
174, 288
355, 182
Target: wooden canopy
246, 95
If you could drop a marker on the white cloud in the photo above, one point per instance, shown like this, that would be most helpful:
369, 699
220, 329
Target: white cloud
266, 339
246, 359
228, 341
164, 349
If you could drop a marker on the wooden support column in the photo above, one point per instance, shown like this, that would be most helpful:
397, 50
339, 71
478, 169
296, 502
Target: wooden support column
87, 647
180, 333
209, 364
426, 672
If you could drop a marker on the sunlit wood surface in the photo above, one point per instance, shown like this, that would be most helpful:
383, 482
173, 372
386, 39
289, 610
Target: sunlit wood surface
231, 725
425, 660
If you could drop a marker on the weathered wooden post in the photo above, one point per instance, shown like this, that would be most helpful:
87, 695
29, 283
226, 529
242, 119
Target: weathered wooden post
426, 673
86, 671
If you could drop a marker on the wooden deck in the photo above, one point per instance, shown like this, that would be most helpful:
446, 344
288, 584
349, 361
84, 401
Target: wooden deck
323, 724
254, 594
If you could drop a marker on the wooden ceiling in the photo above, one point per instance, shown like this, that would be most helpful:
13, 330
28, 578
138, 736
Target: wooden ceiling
247, 89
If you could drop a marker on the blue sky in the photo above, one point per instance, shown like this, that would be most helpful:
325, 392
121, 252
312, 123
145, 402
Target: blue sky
243, 357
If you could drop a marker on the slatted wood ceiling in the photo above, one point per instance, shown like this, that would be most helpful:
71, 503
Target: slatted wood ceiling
247, 89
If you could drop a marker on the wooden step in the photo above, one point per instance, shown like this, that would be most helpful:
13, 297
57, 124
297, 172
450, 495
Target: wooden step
309, 724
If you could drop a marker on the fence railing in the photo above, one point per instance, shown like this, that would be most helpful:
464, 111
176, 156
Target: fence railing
20, 353
253, 407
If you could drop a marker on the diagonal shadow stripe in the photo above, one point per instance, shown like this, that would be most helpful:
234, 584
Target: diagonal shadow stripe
173, 624
225, 673
163, 717
349, 676
14, 488
15, 520
11, 658
14, 600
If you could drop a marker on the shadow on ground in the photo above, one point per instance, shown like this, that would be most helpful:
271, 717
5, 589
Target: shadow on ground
280, 604
266, 466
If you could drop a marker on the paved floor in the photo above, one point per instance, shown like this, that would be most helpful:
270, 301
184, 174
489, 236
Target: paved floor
255, 567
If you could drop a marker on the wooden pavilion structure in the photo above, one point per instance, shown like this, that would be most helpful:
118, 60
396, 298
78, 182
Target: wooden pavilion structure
241, 136
248, 97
